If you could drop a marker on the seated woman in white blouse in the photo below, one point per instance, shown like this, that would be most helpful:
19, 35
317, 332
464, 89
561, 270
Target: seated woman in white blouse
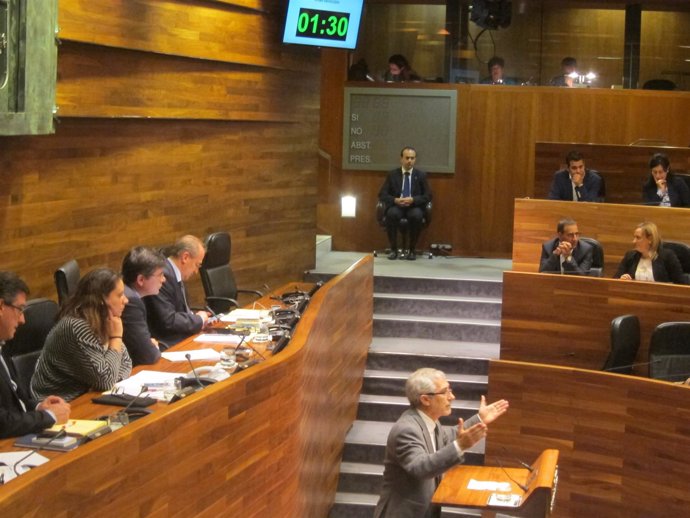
84, 351
649, 261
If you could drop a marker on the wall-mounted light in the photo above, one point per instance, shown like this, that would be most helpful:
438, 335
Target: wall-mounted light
348, 207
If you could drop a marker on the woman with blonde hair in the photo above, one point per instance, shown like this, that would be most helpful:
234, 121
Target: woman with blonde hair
650, 261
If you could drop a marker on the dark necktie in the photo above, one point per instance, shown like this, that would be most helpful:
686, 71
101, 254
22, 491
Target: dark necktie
437, 437
13, 385
184, 297
406, 186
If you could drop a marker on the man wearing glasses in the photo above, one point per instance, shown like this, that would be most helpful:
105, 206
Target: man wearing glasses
419, 449
169, 317
566, 254
19, 414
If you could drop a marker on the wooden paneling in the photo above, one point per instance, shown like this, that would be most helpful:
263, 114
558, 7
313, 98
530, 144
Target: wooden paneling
611, 224
624, 168
623, 441
264, 443
163, 133
566, 320
497, 130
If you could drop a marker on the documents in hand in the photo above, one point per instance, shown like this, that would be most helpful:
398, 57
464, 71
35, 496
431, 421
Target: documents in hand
197, 354
8, 461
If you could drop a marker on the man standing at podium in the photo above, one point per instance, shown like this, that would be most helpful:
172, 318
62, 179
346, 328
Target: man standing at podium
419, 449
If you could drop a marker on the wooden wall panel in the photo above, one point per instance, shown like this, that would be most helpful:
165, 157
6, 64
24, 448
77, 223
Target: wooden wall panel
497, 129
162, 132
611, 224
566, 320
266, 442
624, 168
623, 441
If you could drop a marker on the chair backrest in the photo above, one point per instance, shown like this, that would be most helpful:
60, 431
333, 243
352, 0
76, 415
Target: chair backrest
625, 341
682, 251
24, 366
597, 255
66, 280
669, 351
216, 273
40, 316
659, 84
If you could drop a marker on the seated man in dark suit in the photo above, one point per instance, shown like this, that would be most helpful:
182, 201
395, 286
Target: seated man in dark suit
170, 319
575, 183
420, 449
566, 253
142, 273
19, 414
405, 194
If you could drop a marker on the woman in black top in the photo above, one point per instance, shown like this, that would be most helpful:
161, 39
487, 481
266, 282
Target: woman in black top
662, 186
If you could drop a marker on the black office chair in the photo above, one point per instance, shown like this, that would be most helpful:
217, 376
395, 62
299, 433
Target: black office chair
659, 84
40, 316
625, 341
24, 367
66, 279
403, 227
682, 252
669, 352
597, 268
217, 276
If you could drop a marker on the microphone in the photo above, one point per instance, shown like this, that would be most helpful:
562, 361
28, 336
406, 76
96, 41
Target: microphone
189, 359
631, 365
521, 486
58, 435
523, 464
239, 344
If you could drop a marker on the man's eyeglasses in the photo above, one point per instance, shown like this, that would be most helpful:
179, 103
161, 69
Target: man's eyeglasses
20, 309
443, 392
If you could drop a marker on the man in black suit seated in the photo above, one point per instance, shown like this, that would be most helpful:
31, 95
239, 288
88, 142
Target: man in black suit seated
405, 194
142, 273
19, 414
565, 253
169, 317
576, 183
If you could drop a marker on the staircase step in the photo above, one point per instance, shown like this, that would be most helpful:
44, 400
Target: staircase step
411, 361
366, 443
361, 505
388, 408
453, 287
358, 477
437, 328
437, 305
392, 383
440, 348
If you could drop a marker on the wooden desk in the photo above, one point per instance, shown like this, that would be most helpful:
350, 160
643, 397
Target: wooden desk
624, 168
566, 320
623, 441
612, 225
267, 441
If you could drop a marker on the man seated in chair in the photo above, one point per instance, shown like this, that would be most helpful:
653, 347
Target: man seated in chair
19, 414
566, 254
576, 182
405, 194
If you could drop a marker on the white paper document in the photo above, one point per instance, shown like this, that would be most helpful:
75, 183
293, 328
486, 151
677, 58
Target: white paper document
9, 459
197, 354
158, 382
488, 485
217, 338
263, 315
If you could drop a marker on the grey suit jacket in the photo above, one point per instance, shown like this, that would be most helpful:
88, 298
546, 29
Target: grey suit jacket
411, 467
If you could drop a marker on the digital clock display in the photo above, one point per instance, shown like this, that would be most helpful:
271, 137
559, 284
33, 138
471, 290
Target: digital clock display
323, 23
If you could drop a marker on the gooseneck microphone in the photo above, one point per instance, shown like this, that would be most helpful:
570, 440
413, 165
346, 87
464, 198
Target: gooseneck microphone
523, 464
523, 487
58, 435
196, 376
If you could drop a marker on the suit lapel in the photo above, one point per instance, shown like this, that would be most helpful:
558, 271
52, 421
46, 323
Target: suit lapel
425, 433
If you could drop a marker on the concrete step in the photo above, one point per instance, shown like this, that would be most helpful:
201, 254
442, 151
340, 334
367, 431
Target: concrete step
440, 348
437, 328
359, 477
450, 287
392, 383
437, 305
361, 505
388, 408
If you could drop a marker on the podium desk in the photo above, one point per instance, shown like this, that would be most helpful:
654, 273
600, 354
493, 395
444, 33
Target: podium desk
536, 486
266, 441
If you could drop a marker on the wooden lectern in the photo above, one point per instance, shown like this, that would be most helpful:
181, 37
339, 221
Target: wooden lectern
537, 493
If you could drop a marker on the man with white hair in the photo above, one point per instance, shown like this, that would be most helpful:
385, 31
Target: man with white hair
419, 449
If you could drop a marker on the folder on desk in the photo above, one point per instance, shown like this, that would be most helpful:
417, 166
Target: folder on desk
79, 427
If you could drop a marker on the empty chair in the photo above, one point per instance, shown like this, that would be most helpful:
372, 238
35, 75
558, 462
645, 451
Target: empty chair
625, 341
24, 367
682, 251
66, 279
597, 268
669, 352
217, 276
402, 228
40, 316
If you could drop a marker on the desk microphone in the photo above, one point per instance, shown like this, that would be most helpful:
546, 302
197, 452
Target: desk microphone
630, 366
58, 435
523, 464
524, 488
196, 376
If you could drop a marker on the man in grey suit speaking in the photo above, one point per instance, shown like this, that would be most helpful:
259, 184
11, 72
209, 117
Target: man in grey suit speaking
419, 449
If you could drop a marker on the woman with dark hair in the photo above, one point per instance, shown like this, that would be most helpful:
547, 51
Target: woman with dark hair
399, 70
84, 351
650, 261
662, 186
